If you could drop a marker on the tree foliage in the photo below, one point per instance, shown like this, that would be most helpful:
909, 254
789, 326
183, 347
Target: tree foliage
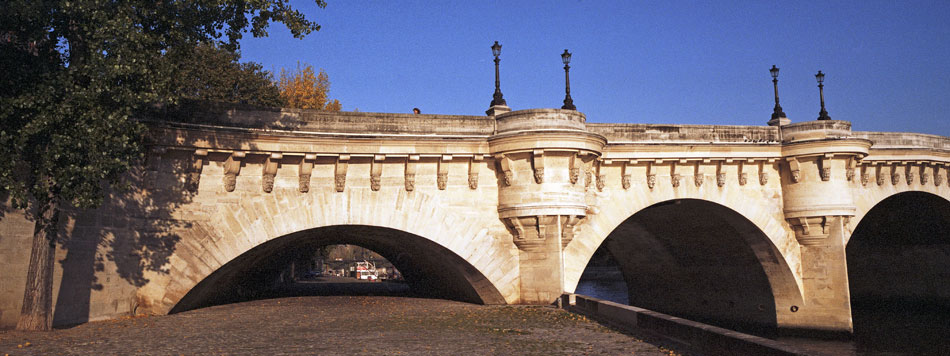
210, 73
302, 89
75, 73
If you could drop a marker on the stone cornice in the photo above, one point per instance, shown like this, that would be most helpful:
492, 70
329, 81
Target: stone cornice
542, 209
236, 115
293, 132
540, 119
622, 134
716, 151
564, 140
908, 155
855, 146
816, 130
206, 137
820, 210
904, 140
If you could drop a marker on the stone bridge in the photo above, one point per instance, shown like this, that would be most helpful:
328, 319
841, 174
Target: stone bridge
736, 225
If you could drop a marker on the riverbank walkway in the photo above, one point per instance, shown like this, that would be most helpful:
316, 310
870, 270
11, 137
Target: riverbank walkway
340, 325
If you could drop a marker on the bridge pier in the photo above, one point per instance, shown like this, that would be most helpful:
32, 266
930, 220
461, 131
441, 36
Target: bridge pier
539, 243
541, 194
821, 156
826, 304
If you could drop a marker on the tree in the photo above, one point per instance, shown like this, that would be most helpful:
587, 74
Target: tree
75, 74
302, 89
210, 73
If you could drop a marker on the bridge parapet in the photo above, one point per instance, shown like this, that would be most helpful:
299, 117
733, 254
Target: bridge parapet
339, 123
816, 130
905, 140
685, 134
534, 120
896, 156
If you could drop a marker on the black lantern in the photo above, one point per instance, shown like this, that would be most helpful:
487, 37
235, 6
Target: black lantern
822, 115
497, 98
568, 102
777, 112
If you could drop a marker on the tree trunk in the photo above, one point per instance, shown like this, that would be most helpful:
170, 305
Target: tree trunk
37, 311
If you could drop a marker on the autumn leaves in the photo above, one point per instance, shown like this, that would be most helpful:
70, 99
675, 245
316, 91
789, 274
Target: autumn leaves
303, 89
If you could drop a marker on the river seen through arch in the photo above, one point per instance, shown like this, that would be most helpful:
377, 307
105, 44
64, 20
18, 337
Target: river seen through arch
900, 328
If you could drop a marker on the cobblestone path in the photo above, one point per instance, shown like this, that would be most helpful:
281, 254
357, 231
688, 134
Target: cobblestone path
338, 326
342, 325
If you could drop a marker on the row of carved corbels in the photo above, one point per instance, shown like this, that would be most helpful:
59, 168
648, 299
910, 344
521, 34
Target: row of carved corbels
532, 232
814, 230
537, 165
234, 162
409, 178
232, 168
577, 164
411, 162
824, 166
911, 170
700, 169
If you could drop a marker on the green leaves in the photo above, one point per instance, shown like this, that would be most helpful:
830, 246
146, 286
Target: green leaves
209, 73
78, 74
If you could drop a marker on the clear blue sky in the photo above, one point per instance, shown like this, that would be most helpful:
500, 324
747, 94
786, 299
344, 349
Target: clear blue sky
887, 63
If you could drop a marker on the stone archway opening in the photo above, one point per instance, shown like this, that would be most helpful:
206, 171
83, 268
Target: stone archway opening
427, 268
691, 259
899, 274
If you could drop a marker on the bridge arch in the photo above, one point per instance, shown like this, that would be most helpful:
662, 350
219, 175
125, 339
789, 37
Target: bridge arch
901, 250
870, 196
253, 227
430, 269
741, 237
897, 258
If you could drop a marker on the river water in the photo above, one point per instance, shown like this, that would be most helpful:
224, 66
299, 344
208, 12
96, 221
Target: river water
880, 328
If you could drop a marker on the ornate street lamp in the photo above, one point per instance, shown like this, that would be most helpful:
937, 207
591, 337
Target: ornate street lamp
777, 112
497, 99
568, 102
823, 115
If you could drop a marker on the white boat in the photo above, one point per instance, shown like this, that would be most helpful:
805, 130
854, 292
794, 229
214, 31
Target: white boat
366, 271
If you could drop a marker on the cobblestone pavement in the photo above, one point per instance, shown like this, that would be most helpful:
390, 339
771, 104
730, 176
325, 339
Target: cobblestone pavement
341, 325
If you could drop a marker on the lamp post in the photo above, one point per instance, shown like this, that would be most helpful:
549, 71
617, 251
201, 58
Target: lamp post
822, 115
777, 112
568, 102
497, 99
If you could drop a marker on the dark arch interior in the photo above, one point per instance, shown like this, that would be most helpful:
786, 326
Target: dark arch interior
899, 273
691, 259
430, 269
